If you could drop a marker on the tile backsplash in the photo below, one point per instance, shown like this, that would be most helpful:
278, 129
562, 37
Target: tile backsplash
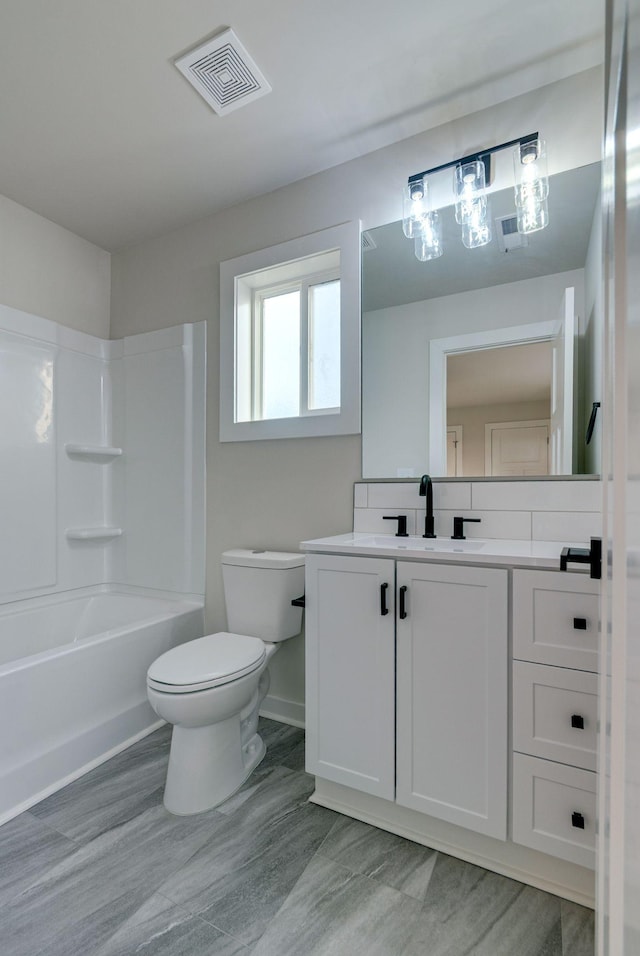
567, 511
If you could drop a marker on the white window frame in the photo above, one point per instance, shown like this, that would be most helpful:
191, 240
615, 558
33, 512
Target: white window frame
303, 286
345, 239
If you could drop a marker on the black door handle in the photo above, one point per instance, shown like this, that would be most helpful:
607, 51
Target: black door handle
383, 599
591, 556
577, 722
577, 820
403, 609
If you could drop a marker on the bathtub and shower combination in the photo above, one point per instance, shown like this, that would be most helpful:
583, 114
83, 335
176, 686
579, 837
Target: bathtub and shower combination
103, 480
73, 683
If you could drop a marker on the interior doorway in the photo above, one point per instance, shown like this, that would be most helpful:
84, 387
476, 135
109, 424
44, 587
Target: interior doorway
501, 400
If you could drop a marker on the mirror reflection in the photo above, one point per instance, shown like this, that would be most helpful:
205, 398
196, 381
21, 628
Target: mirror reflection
485, 361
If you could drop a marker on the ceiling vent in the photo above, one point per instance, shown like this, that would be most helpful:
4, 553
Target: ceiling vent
223, 73
368, 242
508, 236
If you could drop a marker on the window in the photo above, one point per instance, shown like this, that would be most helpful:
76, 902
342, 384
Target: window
289, 339
295, 360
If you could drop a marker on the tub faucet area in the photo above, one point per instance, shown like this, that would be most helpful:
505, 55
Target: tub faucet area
426, 490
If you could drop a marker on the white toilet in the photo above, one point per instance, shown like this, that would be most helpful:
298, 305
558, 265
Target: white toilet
211, 689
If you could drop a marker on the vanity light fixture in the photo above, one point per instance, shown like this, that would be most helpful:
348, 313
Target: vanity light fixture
420, 222
472, 176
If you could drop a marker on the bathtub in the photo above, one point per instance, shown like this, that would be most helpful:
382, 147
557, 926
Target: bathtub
73, 683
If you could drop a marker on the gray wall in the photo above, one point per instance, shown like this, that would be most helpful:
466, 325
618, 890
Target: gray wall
50, 272
276, 493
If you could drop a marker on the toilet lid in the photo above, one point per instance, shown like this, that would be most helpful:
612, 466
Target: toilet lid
206, 662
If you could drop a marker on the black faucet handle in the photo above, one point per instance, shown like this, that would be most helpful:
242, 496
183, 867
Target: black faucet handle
458, 527
402, 524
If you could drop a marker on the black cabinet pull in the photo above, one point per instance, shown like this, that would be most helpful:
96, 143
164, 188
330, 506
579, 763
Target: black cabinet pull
383, 599
577, 821
580, 623
403, 609
577, 721
298, 602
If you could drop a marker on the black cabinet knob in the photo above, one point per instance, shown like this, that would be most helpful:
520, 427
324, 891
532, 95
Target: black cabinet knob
580, 623
577, 721
577, 820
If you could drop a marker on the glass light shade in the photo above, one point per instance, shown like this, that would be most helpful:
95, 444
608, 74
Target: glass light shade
531, 186
475, 234
428, 242
415, 206
469, 184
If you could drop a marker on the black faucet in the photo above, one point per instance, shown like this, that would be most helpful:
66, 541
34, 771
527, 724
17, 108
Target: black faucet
426, 490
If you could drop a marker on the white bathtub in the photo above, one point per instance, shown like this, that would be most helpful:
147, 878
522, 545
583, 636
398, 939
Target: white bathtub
73, 683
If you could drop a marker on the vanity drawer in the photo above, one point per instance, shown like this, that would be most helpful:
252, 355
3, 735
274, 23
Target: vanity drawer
554, 809
556, 618
554, 713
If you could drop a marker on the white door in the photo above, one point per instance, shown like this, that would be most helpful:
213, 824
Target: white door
452, 708
516, 448
563, 344
619, 793
350, 661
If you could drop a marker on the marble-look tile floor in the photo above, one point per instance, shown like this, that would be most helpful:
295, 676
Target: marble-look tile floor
101, 869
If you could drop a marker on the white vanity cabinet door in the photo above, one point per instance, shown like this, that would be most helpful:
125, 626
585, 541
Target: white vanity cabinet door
350, 650
452, 703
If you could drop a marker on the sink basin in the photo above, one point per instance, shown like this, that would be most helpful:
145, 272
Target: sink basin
414, 543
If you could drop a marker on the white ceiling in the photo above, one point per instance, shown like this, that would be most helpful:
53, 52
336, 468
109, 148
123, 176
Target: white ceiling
100, 133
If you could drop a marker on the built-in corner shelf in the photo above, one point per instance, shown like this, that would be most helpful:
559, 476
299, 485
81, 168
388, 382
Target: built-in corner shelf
92, 534
95, 452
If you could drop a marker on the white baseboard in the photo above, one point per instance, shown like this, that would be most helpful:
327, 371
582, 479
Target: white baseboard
284, 711
552, 875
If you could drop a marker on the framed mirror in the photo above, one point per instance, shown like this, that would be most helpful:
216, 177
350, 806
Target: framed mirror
486, 361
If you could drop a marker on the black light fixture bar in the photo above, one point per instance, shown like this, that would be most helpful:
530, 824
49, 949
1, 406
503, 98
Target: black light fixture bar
483, 156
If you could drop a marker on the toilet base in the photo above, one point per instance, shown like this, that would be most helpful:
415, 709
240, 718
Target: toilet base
208, 764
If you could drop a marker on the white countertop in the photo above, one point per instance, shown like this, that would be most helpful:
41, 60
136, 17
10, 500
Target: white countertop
488, 551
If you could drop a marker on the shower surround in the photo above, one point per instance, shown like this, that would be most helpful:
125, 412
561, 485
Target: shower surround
102, 510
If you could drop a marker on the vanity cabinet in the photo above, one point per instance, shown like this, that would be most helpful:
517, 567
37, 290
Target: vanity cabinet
452, 680
555, 705
421, 647
350, 663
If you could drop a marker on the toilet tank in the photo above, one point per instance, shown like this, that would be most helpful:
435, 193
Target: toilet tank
258, 589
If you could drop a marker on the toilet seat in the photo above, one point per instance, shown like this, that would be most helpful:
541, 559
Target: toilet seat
206, 662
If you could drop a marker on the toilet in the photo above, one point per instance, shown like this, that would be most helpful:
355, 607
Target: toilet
211, 688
